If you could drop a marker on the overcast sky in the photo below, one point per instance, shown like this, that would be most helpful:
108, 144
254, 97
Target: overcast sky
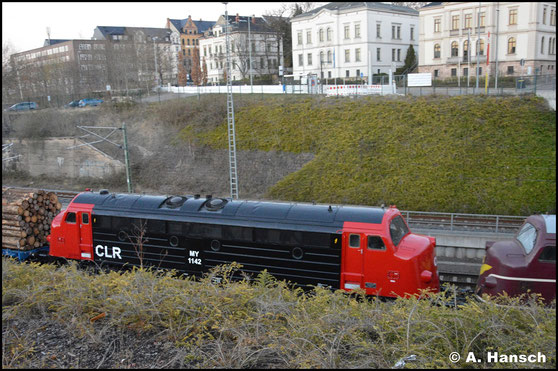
24, 25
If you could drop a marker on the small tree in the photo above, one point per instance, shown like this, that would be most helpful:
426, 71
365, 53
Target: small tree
196, 69
410, 61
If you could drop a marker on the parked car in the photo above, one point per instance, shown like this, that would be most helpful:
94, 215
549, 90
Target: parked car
24, 106
90, 102
74, 103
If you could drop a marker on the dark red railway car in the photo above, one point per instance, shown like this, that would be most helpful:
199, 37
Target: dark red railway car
343, 247
524, 264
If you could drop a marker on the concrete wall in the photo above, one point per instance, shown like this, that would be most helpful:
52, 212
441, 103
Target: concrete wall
52, 157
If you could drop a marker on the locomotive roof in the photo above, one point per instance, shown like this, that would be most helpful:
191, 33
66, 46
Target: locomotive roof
227, 211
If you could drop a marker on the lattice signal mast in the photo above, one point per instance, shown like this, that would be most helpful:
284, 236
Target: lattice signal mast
230, 115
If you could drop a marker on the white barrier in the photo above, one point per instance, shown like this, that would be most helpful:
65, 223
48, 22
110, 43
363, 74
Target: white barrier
328, 90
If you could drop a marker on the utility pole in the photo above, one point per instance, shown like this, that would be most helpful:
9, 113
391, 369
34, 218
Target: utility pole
156, 73
230, 115
478, 48
496, 47
250, 56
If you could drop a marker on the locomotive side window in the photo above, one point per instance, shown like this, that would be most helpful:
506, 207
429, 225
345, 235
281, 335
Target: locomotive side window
397, 229
315, 239
102, 221
71, 218
156, 226
527, 237
84, 218
267, 236
354, 240
175, 229
243, 234
205, 231
548, 255
376, 243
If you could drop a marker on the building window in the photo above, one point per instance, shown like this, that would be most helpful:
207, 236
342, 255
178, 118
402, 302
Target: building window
329, 33
378, 29
466, 50
465, 71
468, 21
482, 17
544, 16
510, 70
347, 55
392, 31
436, 73
437, 51
393, 55
347, 73
329, 56
346, 32
480, 47
412, 33
357, 73
454, 22
300, 60
398, 55
321, 35
357, 55
309, 59
321, 56
511, 45
453, 72
553, 17
357, 31
454, 49
329, 74
398, 32
378, 54
513, 17
299, 38
308, 37
437, 24
542, 45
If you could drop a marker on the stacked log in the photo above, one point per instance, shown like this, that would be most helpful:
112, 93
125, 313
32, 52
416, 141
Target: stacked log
26, 217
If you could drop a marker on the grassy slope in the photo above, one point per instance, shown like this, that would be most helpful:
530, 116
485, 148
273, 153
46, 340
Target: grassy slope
456, 154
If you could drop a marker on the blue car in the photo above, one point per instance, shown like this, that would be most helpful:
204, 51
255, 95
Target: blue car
90, 102
23, 106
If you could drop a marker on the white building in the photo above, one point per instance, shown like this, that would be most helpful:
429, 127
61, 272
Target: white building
251, 39
350, 40
518, 31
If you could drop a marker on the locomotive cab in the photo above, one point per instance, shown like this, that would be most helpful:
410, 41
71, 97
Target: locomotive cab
71, 234
387, 259
525, 264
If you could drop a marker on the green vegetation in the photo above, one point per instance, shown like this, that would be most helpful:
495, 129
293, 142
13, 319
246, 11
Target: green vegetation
470, 154
263, 324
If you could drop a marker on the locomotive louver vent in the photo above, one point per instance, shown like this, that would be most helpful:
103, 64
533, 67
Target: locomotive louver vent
215, 204
104, 192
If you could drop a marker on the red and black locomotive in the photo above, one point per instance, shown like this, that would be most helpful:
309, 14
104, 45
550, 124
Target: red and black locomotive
345, 247
524, 264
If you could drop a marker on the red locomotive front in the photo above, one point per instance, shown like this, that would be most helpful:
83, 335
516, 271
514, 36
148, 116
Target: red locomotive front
525, 264
387, 259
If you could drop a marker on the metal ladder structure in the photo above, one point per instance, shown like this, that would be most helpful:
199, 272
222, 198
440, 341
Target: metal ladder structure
230, 116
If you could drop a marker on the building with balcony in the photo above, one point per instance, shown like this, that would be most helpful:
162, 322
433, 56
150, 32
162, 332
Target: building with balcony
350, 40
185, 35
455, 36
256, 49
136, 53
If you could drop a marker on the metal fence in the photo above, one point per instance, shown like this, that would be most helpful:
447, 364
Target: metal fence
507, 85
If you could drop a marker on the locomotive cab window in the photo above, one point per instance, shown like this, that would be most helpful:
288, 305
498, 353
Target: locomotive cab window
527, 236
354, 240
397, 229
376, 243
71, 218
84, 218
548, 255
